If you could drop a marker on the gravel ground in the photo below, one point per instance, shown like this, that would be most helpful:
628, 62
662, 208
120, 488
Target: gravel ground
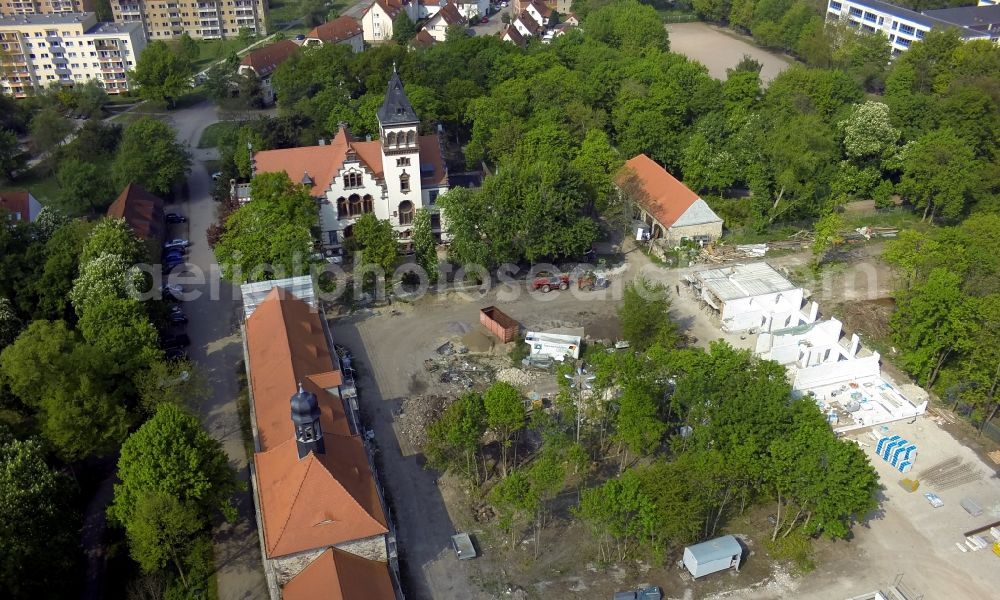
720, 49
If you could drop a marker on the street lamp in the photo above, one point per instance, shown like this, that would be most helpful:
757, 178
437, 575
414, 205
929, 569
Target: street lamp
580, 380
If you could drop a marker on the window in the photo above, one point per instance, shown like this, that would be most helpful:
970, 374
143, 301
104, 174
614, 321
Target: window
920, 34
903, 42
855, 12
835, 6
411, 138
353, 180
390, 139
403, 162
404, 183
432, 196
405, 212
905, 29
870, 17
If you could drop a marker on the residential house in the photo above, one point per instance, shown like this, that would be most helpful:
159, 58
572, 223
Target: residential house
390, 177
320, 510
901, 25
19, 206
142, 211
422, 40
342, 30
473, 8
66, 48
509, 33
437, 26
264, 61
752, 296
528, 26
669, 208
538, 11
376, 21
201, 19
564, 7
38, 7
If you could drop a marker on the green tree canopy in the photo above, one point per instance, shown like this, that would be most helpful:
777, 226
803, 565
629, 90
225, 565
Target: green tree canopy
161, 74
150, 155
403, 28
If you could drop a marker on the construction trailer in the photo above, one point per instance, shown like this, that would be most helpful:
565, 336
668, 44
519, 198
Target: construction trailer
556, 345
713, 556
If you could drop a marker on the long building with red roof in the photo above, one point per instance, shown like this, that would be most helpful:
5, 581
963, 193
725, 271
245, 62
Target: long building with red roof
323, 527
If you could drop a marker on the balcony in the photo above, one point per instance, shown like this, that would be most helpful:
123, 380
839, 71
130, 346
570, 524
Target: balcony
59, 59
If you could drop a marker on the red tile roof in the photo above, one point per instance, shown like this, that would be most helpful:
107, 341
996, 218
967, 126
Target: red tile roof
509, 32
391, 7
19, 205
339, 575
542, 9
338, 30
142, 211
666, 198
449, 12
323, 499
323, 163
529, 22
265, 60
423, 39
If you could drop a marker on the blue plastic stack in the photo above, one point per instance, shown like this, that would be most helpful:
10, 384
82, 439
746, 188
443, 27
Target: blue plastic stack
898, 452
883, 442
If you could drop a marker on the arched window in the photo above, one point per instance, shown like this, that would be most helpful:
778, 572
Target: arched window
411, 138
355, 201
390, 140
368, 204
352, 180
341, 207
405, 212
404, 182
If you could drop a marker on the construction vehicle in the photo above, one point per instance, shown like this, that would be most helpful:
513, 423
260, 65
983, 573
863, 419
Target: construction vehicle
591, 281
547, 282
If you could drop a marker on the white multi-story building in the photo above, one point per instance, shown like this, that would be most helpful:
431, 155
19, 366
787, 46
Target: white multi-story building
391, 177
68, 48
902, 26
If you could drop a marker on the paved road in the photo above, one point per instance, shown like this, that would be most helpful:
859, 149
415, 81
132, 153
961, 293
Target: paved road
216, 349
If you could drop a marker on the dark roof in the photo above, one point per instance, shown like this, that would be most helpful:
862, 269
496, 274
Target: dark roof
338, 30
509, 31
396, 109
267, 59
968, 16
529, 22
449, 12
914, 17
422, 39
142, 211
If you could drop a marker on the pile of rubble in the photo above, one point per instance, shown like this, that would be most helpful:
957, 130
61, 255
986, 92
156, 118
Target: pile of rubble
515, 377
415, 416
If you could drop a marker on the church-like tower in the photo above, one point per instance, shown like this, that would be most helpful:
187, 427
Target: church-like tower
399, 131
305, 417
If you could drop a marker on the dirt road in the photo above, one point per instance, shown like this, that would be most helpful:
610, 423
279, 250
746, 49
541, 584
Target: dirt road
720, 49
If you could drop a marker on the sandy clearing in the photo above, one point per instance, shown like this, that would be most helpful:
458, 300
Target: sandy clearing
719, 50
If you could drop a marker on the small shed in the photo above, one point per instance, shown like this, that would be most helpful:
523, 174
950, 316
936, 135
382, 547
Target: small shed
712, 556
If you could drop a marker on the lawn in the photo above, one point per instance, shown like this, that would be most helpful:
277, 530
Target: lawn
210, 51
38, 181
215, 132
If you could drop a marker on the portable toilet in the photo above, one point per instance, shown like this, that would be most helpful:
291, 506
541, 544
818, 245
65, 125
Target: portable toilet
714, 555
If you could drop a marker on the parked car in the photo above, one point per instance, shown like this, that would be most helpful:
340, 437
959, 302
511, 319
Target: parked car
177, 318
180, 340
648, 593
546, 282
299, 37
216, 175
174, 252
172, 289
175, 218
484, 20
177, 243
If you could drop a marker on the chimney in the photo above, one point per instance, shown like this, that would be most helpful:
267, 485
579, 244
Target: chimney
305, 417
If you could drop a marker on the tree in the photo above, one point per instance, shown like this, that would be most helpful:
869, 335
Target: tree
424, 245
113, 236
119, 329
49, 129
250, 91
828, 230
270, 236
505, 415
628, 25
39, 360
161, 74
10, 323
187, 48
637, 424
150, 155
107, 276
313, 11
84, 188
868, 132
453, 438
81, 418
939, 174
377, 241
171, 455
645, 316
12, 157
219, 80
515, 501
91, 99
555, 19
403, 29
163, 530
38, 524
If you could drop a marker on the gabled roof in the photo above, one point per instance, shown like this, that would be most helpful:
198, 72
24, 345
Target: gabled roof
265, 60
142, 211
666, 198
529, 22
542, 9
339, 575
510, 34
449, 14
396, 108
21, 205
338, 30
390, 7
423, 39
286, 345
317, 501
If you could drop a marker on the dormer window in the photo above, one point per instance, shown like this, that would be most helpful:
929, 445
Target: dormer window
352, 179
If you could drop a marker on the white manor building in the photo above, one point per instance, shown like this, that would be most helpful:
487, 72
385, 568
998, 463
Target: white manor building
391, 177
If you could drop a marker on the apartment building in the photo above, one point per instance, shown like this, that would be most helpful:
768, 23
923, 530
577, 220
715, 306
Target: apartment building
66, 48
901, 25
44, 7
201, 19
